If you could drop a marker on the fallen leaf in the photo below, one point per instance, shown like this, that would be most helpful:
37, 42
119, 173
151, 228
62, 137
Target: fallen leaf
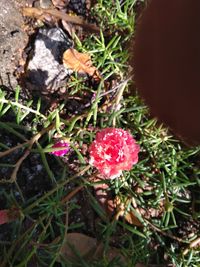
75, 243
123, 210
79, 62
132, 219
78, 245
4, 216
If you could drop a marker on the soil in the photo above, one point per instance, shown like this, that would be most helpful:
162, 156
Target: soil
32, 177
12, 40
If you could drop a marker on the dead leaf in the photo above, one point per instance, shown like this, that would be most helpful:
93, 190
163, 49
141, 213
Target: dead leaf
82, 244
132, 219
79, 62
115, 253
4, 216
9, 215
79, 245
123, 210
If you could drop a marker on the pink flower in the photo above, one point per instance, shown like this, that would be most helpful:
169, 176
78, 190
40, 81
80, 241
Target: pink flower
61, 152
113, 151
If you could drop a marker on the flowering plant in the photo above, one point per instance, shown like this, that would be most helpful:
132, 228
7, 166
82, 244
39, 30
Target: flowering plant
113, 151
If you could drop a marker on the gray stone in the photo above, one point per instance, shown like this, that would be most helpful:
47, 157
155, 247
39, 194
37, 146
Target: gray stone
45, 72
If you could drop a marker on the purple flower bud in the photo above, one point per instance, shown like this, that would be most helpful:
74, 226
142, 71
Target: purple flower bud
61, 152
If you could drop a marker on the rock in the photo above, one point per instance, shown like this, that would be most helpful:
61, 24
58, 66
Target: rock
45, 73
12, 40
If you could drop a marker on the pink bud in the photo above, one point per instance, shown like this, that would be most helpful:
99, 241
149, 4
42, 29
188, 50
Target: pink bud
61, 152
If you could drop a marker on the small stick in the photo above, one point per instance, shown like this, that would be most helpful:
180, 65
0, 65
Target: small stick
41, 12
76, 190
31, 142
119, 97
193, 244
5, 153
17, 166
164, 233
71, 194
116, 87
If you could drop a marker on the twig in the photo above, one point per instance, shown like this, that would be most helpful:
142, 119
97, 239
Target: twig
77, 189
193, 244
116, 87
30, 144
13, 177
180, 240
39, 13
118, 98
4, 101
71, 194
5, 153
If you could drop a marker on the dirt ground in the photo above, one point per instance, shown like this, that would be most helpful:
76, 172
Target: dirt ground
12, 40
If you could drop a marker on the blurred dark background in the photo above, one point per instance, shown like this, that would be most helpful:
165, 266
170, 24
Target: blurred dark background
166, 64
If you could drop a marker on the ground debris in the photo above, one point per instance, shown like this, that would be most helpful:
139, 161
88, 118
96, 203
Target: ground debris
43, 14
12, 40
45, 72
88, 247
80, 62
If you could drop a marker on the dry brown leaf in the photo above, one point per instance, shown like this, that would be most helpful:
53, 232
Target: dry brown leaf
9, 215
123, 211
79, 62
86, 247
132, 219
